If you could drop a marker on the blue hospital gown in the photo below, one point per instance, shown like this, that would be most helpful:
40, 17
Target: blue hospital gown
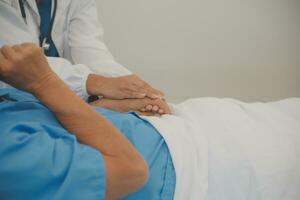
41, 160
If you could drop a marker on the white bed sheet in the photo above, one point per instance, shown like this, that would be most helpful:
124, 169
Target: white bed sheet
225, 149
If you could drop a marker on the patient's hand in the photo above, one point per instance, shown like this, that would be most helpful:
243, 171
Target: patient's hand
25, 67
146, 106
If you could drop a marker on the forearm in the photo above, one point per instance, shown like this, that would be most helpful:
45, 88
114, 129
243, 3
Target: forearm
25, 67
94, 130
80, 119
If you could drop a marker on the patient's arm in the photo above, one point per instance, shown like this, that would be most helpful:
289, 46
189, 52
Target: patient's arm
154, 107
26, 68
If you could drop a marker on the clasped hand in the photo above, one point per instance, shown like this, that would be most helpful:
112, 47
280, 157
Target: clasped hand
25, 67
127, 93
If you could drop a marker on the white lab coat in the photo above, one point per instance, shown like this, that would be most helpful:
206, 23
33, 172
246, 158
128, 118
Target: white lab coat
76, 33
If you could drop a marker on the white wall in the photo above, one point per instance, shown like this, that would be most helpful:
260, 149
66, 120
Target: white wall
246, 49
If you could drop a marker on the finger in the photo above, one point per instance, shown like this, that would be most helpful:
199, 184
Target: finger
8, 52
163, 105
158, 110
167, 110
143, 110
161, 111
137, 81
142, 90
139, 84
128, 94
160, 93
131, 87
155, 108
149, 92
149, 108
157, 92
154, 94
138, 95
143, 86
148, 104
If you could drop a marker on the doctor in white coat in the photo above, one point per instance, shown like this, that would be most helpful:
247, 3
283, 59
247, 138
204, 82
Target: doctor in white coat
72, 32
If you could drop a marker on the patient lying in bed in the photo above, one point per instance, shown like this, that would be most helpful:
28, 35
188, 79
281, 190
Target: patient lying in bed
49, 163
209, 149
39, 147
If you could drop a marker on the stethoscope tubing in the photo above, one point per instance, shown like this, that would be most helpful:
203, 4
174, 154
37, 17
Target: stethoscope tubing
22, 8
43, 41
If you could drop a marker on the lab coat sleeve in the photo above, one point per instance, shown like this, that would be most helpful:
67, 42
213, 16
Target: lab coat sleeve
75, 76
85, 41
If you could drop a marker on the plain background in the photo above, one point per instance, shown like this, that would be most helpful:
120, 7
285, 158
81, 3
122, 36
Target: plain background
244, 49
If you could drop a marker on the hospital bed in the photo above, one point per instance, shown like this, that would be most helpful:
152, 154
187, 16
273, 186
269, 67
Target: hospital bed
224, 149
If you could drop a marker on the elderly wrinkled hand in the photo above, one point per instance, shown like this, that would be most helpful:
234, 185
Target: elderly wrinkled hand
124, 87
24, 67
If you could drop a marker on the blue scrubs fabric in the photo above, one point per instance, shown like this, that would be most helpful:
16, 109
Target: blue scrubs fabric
40, 160
151, 145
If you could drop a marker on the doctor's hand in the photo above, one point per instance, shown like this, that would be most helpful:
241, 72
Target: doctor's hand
25, 67
124, 87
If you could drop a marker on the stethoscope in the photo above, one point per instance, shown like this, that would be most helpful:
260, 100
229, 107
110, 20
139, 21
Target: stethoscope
44, 42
